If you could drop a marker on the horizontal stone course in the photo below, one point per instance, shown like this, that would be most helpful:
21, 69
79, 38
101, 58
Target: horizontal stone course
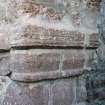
39, 64
33, 61
73, 60
39, 36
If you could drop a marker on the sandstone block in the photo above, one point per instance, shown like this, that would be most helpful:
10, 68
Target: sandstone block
33, 61
39, 64
90, 56
63, 92
39, 36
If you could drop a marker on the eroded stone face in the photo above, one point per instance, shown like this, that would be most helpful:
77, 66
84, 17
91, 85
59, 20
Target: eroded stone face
26, 94
4, 64
96, 80
4, 41
37, 36
52, 23
48, 23
56, 92
4, 83
39, 64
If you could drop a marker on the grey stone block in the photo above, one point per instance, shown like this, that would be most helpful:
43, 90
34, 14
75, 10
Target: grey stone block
4, 63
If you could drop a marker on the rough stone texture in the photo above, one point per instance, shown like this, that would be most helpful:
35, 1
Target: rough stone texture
93, 41
63, 92
4, 42
38, 64
96, 79
39, 36
51, 45
4, 63
32, 61
26, 94
52, 23
73, 60
4, 83
48, 23
68, 92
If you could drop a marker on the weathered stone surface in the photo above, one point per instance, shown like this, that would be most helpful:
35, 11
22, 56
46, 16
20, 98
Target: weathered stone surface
38, 36
93, 41
68, 92
26, 94
4, 42
33, 61
96, 87
4, 83
4, 63
90, 56
73, 60
53, 23
96, 79
48, 23
38, 64
63, 92
30, 24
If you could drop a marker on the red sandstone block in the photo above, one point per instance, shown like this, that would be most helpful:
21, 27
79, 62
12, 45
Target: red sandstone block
38, 36
39, 64
34, 61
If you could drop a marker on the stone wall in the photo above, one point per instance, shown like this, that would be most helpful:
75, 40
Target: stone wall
46, 49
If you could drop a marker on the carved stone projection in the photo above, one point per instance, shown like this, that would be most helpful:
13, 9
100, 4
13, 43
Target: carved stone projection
39, 64
61, 23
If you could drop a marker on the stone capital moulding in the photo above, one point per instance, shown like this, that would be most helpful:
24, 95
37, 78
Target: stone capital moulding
64, 23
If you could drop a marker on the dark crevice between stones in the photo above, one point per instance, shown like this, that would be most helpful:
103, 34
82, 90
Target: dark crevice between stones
47, 79
4, 50
49, 47
9, 74
45, 47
